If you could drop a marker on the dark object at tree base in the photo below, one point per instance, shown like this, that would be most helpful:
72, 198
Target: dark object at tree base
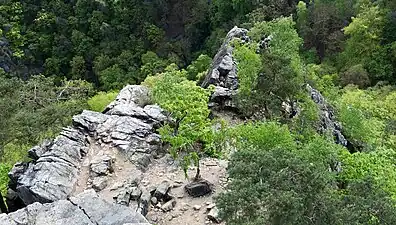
199, 188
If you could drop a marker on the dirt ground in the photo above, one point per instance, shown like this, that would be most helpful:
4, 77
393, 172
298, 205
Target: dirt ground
187, 211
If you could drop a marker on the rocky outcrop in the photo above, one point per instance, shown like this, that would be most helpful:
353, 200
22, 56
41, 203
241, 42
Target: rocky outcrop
223, 73
328, 123
53, 173
84, 209
129, 124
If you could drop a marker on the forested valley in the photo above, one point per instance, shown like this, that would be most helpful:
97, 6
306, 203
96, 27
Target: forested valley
59, 57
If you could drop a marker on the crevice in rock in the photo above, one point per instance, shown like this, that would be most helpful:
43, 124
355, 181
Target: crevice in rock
83, 210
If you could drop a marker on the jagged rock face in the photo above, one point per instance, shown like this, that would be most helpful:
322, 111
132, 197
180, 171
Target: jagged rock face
223, 73
84, 209
328, 123
129, 124
53, 175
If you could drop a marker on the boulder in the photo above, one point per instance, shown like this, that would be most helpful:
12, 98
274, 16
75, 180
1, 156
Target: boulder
128, 123
328, 122
168, 206
101, 165
223, 73
53, 175
99, 183
199, 188
162, 190
144, 202
84, 209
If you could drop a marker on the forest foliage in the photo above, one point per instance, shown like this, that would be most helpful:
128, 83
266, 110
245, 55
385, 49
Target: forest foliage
60, 57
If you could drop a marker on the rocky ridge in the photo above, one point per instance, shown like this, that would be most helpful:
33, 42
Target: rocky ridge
224, 70
112, 160
115, 160
84, 209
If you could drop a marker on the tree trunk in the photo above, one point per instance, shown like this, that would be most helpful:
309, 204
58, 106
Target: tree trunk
198, 175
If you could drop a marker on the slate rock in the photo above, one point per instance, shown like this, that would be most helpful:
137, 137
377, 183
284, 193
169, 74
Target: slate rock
53, 176
199, 188
84, 209
162, 190
168, 206
102, 165
135, 193
144, 202
99, 183
328, 122
223, 73
104, 213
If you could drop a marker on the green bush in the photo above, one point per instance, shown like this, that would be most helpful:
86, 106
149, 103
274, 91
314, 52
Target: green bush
356, 75
275, 181
4, 179
99, 102
187, 104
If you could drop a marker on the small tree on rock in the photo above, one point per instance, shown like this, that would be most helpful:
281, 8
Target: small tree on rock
187, 105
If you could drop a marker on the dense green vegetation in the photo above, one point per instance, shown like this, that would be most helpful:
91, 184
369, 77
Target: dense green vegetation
66, 56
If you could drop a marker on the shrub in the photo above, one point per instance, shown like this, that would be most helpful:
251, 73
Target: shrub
356, 75
274, 181
187, 104
4, 179
200, 65
99, 102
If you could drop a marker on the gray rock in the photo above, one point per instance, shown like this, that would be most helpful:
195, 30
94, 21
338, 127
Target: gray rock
37, 151
144, 202
223, 61
101, 165
99, 183
199, 188
84, 209
129, 123
154, 201
53, 176
328, 122
168, 206
135, 193
162, 190
89, 120
123, 197
104, 213
223, 73
213, 215
131, 95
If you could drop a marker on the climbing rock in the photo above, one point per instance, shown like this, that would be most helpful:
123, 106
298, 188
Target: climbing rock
54, 171
84, 209
52, 176
36, 152
223, 73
